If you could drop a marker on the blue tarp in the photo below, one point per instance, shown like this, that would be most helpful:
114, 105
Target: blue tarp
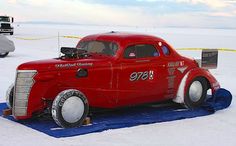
129, 117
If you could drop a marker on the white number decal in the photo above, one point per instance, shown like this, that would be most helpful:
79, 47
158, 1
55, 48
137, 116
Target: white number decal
135, 76
145, 75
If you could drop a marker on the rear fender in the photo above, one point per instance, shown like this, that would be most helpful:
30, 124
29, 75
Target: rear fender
189, 76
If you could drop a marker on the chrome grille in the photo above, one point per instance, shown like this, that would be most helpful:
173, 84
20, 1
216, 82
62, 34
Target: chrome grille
23, 84
5, 26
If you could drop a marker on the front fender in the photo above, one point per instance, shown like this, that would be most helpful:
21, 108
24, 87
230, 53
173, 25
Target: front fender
189, 76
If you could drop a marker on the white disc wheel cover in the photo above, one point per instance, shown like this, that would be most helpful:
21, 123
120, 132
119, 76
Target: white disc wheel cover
195, 91
72, 109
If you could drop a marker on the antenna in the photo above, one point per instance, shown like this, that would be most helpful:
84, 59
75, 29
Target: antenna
58, 41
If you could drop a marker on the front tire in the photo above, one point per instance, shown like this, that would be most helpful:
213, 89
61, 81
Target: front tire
196, 93
2, 55
9, 96
70, 108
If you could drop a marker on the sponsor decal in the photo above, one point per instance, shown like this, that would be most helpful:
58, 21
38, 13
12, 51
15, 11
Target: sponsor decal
176, 64
132, 55
171, 76
171, 82
69, 65
85, 64
171, 71
65, 97
151, 73
182, 69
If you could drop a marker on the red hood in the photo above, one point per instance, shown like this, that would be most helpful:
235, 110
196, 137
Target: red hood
64, 64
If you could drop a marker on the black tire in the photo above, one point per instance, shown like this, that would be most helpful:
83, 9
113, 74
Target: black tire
193, 101
9, 96
11, 33
62, 100
2, 55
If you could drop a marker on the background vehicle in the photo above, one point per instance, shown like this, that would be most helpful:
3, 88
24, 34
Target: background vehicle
108, 70
6, 24
6, 46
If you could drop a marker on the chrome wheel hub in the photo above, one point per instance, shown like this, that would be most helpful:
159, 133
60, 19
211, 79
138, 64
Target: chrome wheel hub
195, 91
72, 109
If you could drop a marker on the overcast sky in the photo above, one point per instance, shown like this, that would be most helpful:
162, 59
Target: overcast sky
157, 13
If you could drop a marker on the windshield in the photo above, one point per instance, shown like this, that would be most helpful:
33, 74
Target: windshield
5, 19
101, 47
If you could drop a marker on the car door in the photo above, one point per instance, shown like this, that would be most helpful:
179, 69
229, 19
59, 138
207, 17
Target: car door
142, 75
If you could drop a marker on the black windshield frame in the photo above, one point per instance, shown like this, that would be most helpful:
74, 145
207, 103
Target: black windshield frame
4, 19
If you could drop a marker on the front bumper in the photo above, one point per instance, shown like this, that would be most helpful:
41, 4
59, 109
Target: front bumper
6, 30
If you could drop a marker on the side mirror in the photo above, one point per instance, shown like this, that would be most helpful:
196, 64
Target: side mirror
12, 19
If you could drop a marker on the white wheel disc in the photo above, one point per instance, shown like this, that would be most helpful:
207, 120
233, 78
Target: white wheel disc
72, 109
195, 91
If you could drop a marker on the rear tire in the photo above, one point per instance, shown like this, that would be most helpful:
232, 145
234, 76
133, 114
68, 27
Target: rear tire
2, 55
70, 108
11, 33
196, 93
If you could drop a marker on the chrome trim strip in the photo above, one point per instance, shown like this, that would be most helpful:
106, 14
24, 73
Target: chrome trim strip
31, 71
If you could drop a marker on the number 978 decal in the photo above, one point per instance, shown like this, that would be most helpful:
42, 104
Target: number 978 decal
146, 75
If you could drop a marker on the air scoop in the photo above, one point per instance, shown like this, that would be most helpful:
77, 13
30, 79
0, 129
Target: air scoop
70, 52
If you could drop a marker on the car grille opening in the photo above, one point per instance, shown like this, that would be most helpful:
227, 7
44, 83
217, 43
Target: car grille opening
23, 84
5, 26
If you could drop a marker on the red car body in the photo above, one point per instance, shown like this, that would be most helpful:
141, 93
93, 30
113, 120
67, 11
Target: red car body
112, 81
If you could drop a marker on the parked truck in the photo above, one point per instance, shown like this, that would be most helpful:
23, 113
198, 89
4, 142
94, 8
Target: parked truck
6, 24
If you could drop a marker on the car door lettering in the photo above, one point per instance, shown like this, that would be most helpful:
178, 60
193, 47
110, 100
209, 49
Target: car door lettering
135, 76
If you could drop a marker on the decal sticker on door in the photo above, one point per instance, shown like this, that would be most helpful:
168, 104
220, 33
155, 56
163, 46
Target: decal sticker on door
146, 75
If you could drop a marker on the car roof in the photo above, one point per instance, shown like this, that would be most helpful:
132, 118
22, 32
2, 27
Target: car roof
125, 39
122, 37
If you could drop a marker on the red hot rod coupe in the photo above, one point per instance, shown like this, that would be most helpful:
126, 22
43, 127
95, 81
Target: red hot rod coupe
107, 70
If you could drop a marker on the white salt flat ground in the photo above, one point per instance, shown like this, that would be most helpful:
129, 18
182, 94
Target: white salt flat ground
218, 129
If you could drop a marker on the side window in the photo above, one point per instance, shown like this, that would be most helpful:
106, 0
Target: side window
141, 51
130, 52
165, 50
146, 51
